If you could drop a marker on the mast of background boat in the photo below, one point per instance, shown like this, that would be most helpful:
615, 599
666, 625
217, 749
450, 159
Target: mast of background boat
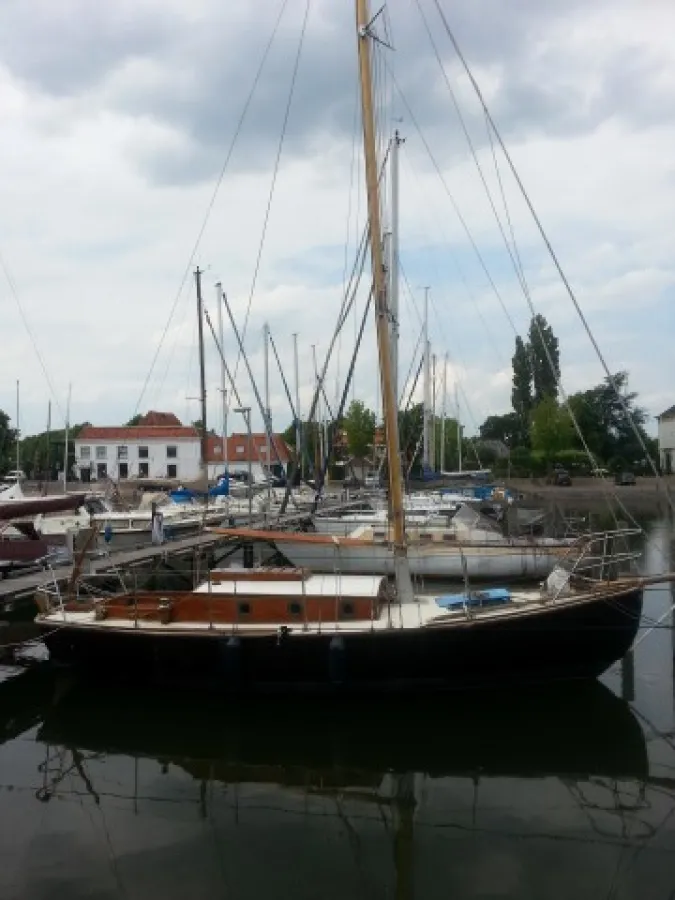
389, 404
444, 411
268, 415
202, 381
459, 429
49, 445
434, 461
65, 450
18, 432
223, 373
396, 142
318, 432
426, 400
298, 436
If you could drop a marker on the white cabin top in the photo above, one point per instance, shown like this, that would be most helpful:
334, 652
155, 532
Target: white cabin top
341, 586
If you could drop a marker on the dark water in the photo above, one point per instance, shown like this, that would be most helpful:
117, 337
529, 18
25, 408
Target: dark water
565, 792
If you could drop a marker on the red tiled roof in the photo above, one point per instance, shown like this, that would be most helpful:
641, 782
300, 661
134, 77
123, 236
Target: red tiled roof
137, 433
153, 419
237, 449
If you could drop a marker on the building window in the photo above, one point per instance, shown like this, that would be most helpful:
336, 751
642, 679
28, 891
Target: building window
85, 452
172, 471
101, 470
101, 452
239, 448
124, 470
143, 470
143, 453
123, 453
171, 452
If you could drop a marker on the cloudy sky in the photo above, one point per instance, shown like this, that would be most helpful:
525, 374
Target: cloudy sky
118, 119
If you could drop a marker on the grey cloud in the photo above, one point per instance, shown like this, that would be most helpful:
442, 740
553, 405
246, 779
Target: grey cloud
208, 66
67, 47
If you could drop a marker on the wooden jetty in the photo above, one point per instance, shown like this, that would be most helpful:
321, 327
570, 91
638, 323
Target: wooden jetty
195, 555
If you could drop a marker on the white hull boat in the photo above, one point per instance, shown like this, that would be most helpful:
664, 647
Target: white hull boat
431, 554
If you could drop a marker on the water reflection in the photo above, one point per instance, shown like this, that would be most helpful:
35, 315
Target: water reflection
142, 795
559, 792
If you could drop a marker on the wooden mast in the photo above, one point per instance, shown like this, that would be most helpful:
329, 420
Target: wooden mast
389, 403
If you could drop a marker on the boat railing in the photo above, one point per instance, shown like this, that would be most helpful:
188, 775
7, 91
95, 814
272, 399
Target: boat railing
52, 596
599, 557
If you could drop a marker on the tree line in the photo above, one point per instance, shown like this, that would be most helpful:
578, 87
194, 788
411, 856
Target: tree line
357, 437
40, 455
591, 430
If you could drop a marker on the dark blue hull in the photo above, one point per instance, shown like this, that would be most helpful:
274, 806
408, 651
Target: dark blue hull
571, 641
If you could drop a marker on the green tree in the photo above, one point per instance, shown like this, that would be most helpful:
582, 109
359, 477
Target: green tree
604, 424
199, 427
544, 353
410, 423
507, 428
521, 392
42, 454
133, 421
7, 444
311, 442
359, 426
552, 431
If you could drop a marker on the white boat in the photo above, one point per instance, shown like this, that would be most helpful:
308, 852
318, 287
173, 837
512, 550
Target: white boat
432, 553
470, 546
120, 530
345, 525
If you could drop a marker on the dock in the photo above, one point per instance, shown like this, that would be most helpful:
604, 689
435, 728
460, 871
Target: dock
17, 591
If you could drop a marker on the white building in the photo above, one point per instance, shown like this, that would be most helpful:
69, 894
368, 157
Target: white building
138, 451
667, 440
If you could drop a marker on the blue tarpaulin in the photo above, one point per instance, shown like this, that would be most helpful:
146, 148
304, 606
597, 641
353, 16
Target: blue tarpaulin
488, 597
183, 495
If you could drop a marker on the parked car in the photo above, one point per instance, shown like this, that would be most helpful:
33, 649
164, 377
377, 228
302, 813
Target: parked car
15, 475
351, 481
624, 478
560, 478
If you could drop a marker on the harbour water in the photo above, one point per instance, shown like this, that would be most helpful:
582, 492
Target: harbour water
550, 792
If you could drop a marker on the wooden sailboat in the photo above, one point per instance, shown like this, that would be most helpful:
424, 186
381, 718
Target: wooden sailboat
264, 629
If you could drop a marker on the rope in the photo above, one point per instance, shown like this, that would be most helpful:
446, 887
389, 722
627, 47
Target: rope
15, 295
554, 258
275, 174
209, 208
455, 207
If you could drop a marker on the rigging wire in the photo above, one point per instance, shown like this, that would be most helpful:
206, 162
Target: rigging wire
452, 356
340, 410
554, 257
455, 206
554, 370
517, 265
348, 302
29, 330
214, 195
192, 358
275, 173
352, 170
455, 261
